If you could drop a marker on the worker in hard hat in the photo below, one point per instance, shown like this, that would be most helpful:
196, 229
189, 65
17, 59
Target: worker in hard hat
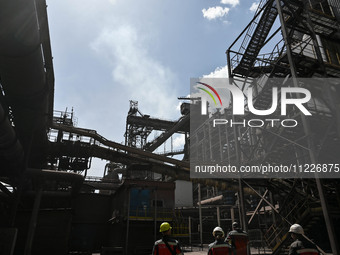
238, 240
219, 246
166, 245
300, 244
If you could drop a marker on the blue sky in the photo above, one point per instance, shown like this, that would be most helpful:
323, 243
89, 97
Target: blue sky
107, 52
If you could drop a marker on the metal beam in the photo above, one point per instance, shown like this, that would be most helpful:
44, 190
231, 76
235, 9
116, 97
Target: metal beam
182, 122
154, 123
211, 200
264, 199
258, 206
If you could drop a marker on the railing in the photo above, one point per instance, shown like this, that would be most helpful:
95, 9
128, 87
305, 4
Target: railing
69, 137
63, 116
93, 178
180, 229
277, 233
251, 28
262, 60
106, 144
172, 152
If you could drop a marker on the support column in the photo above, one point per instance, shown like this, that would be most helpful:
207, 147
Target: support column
218, 216
232, 215
155, 217
200, 214
238, 162
127, 222
33, 221
189, 230
242, 206
272, 202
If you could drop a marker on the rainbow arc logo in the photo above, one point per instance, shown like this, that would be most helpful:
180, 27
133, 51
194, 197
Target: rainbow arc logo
209, 93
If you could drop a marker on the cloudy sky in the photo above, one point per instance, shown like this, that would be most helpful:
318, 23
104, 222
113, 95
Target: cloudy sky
107, 52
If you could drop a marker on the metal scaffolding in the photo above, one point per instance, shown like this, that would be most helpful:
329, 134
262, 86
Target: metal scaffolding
139, 126
286, 39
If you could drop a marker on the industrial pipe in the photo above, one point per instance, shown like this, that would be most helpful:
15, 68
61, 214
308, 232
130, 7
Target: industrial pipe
211, 200
22, 75
75, 179
10, 147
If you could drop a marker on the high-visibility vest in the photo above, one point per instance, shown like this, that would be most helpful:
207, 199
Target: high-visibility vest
309, 251
219, 249
239, 242
160, 247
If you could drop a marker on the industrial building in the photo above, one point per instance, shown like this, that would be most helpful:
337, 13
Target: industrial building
51, 205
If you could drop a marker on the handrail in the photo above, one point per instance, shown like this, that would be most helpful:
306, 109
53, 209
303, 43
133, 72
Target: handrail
104, 141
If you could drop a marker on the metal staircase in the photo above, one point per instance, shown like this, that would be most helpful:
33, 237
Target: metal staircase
257, 39
296, 211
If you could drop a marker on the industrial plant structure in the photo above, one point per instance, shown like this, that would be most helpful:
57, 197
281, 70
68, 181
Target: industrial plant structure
50, 205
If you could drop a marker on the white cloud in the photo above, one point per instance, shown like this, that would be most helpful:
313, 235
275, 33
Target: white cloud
219, 72
138, 75
179, 142
254, 6
215, 12
233, 3
178, 107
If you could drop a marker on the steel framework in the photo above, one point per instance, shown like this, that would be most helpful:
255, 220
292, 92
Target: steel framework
285, 39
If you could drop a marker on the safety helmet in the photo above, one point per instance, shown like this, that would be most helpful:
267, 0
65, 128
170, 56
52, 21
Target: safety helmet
218, 230
235, 224
297, 229
165, 226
